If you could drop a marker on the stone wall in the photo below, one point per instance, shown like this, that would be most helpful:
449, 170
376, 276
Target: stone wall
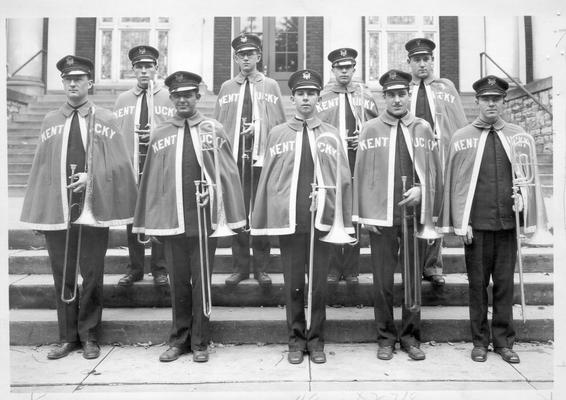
520, 109
16, 102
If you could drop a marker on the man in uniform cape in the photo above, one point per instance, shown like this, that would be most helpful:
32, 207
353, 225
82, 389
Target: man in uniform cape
479, 207
437, 101
396, 144
181, 149
297, 151
132, 110
80, 147
248, 106
342, 106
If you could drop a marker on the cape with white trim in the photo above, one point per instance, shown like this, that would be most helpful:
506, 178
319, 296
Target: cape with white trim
375, 167
446, 109
45, 204
464, 159
331, 107
159, 209
127, 111
274, 210
267, 110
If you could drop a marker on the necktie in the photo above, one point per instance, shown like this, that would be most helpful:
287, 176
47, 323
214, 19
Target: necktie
306, 172
247, 103
143, 111
350, 119
423, 108
75, 155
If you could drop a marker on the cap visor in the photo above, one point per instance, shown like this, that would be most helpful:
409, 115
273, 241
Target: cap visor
74, 72
490, 93
343, 63
183, 89
150, 60
393, 87
424, 51
306, 87
246, 48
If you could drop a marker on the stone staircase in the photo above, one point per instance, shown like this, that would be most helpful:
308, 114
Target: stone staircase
247, 313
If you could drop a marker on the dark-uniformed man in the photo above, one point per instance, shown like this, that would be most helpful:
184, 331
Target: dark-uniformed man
298, 150
437, 101
137, 120
181, 151
248, 106
479, 207
346, 106
80, 144
393, 152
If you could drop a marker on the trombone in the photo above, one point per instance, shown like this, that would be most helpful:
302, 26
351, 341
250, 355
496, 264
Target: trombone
86, 216
247, 157
525, 176
142, 146
337, 233
222, 229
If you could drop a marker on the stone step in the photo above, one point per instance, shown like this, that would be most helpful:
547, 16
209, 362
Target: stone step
37, 261
243, 325
19, 167
37, 291
18, 178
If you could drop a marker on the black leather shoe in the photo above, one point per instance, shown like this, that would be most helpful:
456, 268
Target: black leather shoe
200, 356
160, 280
91, 350
171, 354
436, 280
129, 279
508, 355
318, 357
479, 353
352, 280
236, 278
415, 353
385, 352
295, 357
332, 279
63, 350
263, 279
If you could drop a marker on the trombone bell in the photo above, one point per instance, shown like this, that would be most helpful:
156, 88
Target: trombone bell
428, 233
222, 231
338, 235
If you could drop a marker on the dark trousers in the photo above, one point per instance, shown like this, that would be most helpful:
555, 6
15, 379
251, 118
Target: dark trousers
190, 327
79, 320
137, 256
345, 259
242, 261
492, 254
386, 248
432, 263
295, 260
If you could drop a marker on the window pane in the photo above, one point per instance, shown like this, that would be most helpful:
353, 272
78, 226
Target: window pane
135, 20
403, 20
163, 20
428, 20
163, 46
252, 25
396, 53
429, 35
286, 44
292, 62
130, 38
107, 19
106, 57
373, 61
373, 20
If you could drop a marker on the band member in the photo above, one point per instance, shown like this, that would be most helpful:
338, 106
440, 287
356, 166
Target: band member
132, 109
394, 147
298, 150
437, 101
79, 148
181, 151
342, 106
248, 106
478, 206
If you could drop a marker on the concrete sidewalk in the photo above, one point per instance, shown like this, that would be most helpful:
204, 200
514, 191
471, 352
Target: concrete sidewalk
351, 371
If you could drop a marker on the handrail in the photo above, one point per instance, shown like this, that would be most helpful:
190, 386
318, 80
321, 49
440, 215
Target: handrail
484, 54
27, 62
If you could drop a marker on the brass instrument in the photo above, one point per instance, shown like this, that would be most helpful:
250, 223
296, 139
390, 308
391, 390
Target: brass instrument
67, 237
222, 229
337, 233
525, 177
427, 230
140, 131
247, 156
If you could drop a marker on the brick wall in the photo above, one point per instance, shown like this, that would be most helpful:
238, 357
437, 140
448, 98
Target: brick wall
520, 109
315, 43
448, 49
222, 51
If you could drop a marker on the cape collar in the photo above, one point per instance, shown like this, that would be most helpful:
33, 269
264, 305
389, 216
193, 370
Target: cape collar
296, 123
498, 125
427, 81
138, 90
391, 120
255, 76
337, 88
67, 109
179, 121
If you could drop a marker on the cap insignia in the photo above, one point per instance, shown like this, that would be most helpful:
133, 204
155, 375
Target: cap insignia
393, 75
179, 77
70, 60
307, 75
491, 81
343, 52
141, 50
418, 42
243, 39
